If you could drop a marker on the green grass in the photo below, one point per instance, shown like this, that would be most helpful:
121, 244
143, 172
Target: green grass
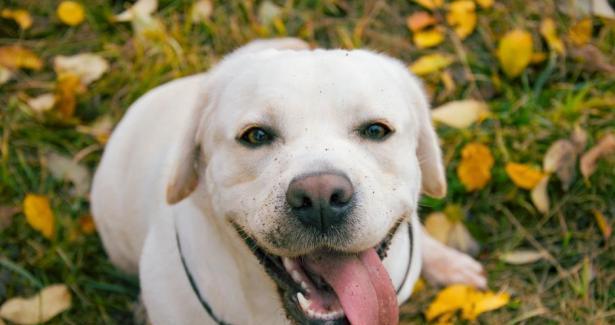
530, 112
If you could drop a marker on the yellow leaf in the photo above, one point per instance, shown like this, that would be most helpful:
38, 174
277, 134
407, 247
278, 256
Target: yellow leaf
461, 113
474, 170
430, 4
538, 57
38, 214
603, 224
428, 38
480, 302
581, 32
419, 286
485, 4
462, 17
71, 13
549, 32
515, 52
86, 224
66, 94
448, 300
524, 176
419, 20
431, 63
20, 16
40, 308
16, 57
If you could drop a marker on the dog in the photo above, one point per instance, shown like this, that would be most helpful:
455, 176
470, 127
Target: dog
280, 187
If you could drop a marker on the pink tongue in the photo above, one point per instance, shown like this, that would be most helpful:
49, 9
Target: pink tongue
362, 285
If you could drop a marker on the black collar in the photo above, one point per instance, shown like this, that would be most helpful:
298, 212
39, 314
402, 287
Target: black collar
218, 321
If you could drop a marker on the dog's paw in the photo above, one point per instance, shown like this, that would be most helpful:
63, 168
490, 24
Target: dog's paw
444, 265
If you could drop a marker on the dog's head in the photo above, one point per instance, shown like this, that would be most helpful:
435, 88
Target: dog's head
314, 156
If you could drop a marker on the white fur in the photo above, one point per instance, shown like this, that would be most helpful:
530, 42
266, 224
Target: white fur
174, 163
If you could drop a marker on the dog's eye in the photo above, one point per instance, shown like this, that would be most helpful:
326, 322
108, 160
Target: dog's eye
256, 137
375, 131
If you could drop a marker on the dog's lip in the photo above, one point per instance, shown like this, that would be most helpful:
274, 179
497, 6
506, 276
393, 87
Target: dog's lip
290, 289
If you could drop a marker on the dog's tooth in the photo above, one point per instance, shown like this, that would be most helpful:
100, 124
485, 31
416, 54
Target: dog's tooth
303, 302
305, 286
296, 275
288, 263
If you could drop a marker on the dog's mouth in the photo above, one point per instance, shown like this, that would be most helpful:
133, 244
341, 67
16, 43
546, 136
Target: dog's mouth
330, 287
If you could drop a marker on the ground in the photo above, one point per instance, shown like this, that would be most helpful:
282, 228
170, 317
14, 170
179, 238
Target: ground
575, 283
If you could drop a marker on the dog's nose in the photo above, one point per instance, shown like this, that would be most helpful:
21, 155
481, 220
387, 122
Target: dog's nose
320, 200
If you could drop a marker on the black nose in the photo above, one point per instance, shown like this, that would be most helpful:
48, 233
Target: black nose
320, 200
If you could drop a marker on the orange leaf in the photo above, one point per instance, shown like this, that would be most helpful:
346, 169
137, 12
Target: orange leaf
420, 20
38, 214
16, 57
523, 175
474, 170
581, 32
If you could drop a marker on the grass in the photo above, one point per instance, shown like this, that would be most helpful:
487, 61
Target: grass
577, 285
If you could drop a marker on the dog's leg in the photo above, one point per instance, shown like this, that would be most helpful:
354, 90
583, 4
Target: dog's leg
445, 265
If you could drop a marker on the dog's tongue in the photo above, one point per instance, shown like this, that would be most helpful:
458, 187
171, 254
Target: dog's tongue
362, 285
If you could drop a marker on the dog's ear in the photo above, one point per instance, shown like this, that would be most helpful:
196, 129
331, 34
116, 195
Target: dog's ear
429, 155
184, 170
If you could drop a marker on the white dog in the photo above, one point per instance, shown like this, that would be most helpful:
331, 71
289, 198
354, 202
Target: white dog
280, 187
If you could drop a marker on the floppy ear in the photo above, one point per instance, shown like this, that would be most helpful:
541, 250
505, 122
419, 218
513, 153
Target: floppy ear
184, 175
428, 152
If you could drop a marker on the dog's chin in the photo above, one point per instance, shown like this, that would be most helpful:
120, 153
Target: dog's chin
307, 297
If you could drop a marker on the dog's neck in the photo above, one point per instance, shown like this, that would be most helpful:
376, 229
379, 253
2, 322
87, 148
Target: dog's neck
225, 271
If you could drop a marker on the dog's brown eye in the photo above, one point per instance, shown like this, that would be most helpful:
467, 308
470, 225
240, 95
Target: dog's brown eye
375, 131
256, 137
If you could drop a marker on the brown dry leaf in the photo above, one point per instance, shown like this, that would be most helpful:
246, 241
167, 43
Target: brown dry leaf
20, 16
430, 4
16, 57
462, 17
521, 257
87, 225
201, 10
524, 176
451, 233
603, 224
65, 168
485, 4
428, 38
579, 138
431, 63
474, 170
590, 158
593, 59
67, 88
539, 195
561, 158
549, 32
71, 13
6, 215
38, 214
581, 32
87, 66
42, 307
419, 20
461, 113
466, 298
515, 52
42, 103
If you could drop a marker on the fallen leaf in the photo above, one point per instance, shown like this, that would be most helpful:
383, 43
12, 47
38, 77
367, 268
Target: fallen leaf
42, 103
474, 170
65, 168
428, 38
482, 302
87, 66
521, 257
561, 158
419, 20
451, 232
549, 32
461, 113
5, 75
87, 225
67, 88
38, 214
42, 307
485, 4
16, 57
603, 8
71, 13
462, 17
538, 57
524, 176
268, 12
430, 4
141, 8
592, 59
539, 195
448, 300
6, 215
20, 16
581, 32
579, 138
590, 158
431, 63
515, 52
603, 224
201, 10
466, 298
419, 286
100, 129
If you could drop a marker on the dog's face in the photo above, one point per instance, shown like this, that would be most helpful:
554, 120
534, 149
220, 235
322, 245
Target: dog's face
313, 152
